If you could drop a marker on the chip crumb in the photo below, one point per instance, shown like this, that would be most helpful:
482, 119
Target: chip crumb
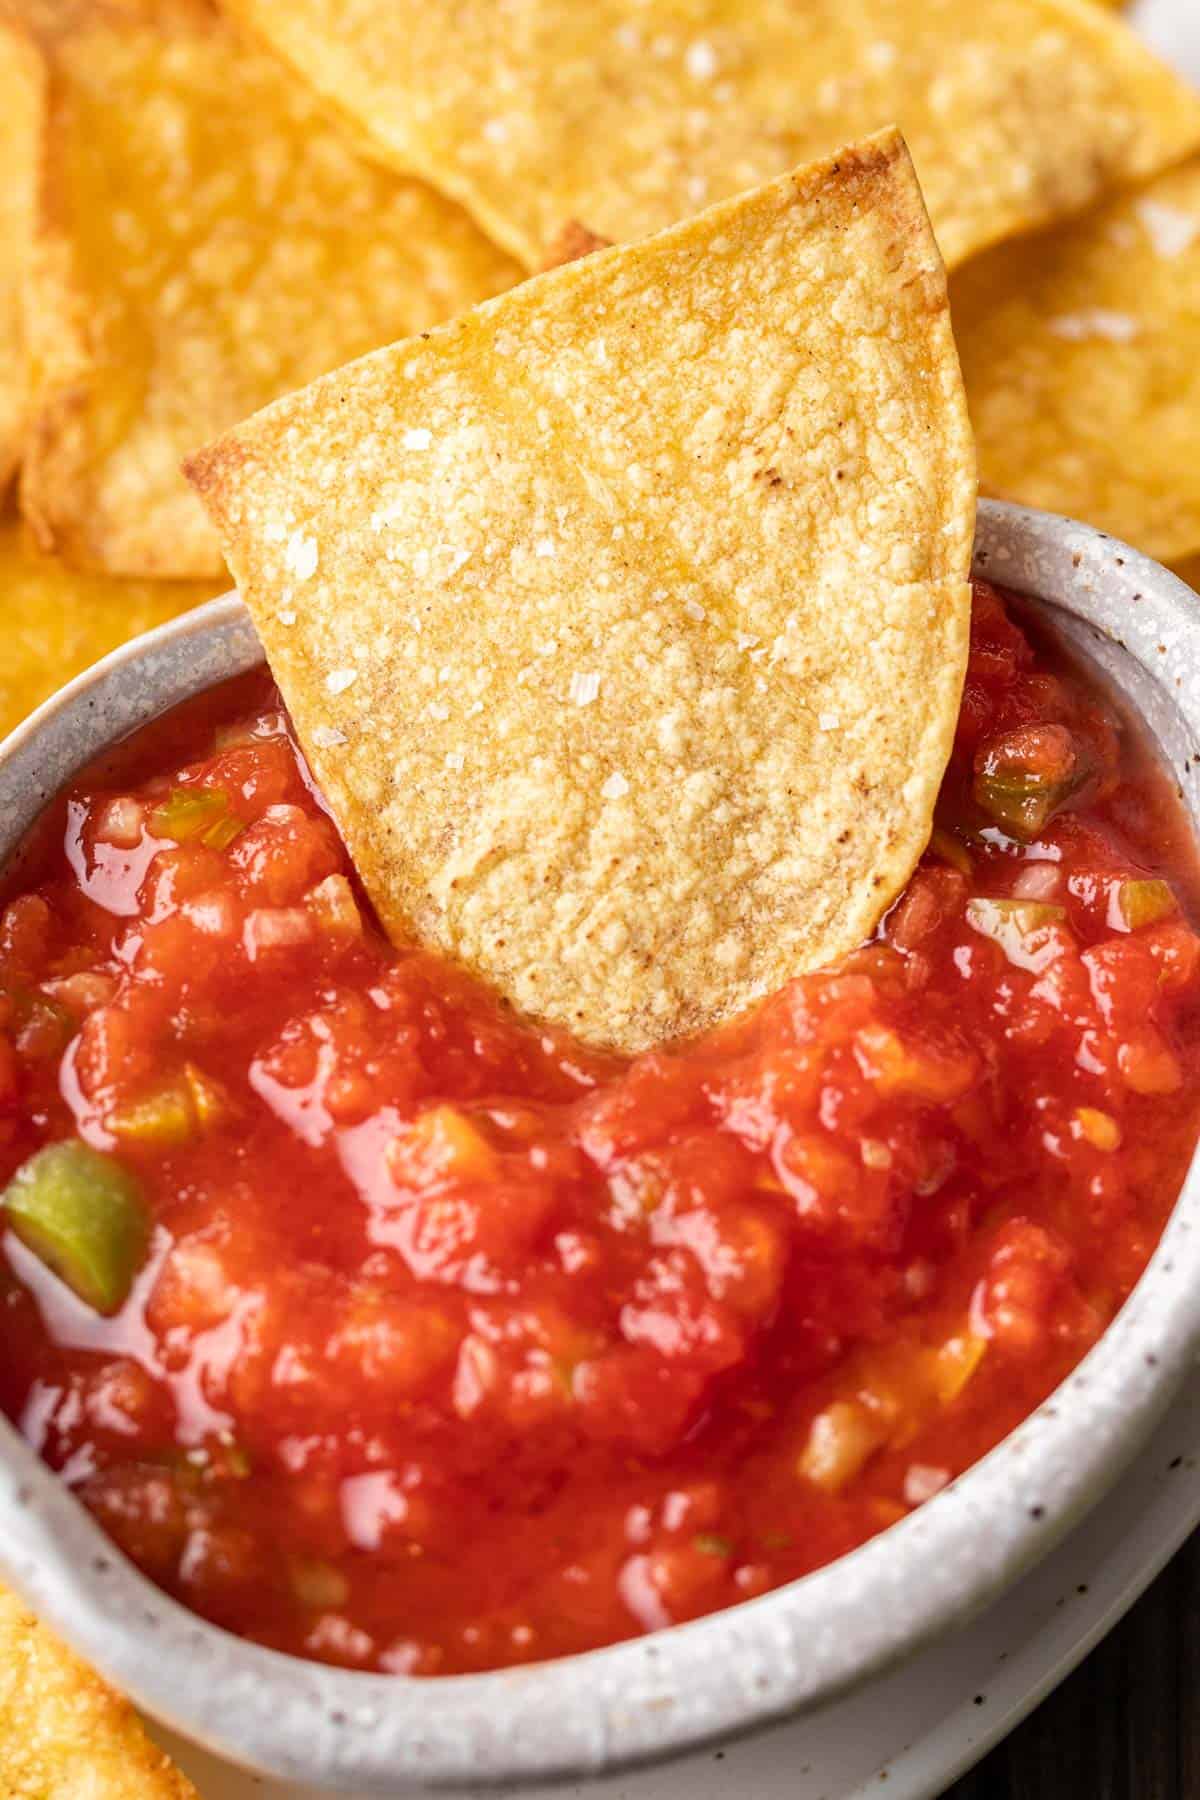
300, 556
700, 60
1170, 230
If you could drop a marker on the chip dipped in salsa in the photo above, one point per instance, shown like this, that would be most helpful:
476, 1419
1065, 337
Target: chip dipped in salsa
381, 1327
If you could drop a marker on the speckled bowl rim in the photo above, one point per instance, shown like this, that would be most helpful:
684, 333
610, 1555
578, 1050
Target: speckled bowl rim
793, 1648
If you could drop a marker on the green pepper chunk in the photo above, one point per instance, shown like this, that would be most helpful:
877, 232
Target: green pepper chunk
83, 1215
1023, 779
1140, 902
197, 813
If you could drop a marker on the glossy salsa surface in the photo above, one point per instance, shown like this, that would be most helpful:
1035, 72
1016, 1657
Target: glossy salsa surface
383, 1328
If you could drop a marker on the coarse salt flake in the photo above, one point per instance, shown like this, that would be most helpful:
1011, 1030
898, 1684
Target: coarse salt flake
1170, 230
417, 437
700, 60
338, 680
286, 616
828, 721
455, 759
300, 556
545, 547
746, 640
694, 610
1096, 322
583, 689
325, 737
616, 787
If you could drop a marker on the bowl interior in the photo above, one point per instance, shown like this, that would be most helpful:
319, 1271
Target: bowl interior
798, 1645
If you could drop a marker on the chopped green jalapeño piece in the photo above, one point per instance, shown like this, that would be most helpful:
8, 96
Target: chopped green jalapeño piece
1138, 902
1022, 928
1023, 779
83, 1215
196, 813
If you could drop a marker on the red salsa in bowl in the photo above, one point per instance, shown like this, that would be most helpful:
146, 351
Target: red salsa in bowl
384, 1328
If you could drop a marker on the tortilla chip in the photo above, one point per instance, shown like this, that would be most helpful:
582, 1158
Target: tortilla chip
64, 1735
21, 116
1081, 354
210, 241
631, 114
55, 621
624, 619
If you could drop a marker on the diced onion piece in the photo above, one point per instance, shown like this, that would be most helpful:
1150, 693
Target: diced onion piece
1137, 903
1149, 1066
276, 928
83, 992
1024, 929
441, 1144
1037, 881
1099, 1129
120, 821
83, 1215
896, 1067
334, 907
955, 1363
840, 1441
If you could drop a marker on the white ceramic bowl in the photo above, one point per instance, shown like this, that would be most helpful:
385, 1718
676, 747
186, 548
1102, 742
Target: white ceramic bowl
738, 1669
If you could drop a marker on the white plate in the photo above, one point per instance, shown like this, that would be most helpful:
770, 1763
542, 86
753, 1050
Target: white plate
922, 1726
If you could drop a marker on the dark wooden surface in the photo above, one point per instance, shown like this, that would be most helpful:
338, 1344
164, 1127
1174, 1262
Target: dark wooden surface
1126, 1724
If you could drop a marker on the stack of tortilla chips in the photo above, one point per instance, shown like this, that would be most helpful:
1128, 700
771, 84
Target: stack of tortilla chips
206, 207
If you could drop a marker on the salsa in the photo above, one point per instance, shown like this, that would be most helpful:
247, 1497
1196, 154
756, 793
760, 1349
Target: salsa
381, 1327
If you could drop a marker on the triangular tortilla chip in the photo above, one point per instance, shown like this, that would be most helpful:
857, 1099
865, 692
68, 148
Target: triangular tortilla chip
21, 116
64, 1735
627, 115
1081, 354
210, 240
55, 621
624, 621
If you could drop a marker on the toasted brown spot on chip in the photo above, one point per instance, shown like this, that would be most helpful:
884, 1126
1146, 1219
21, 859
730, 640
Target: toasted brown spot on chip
537, 544
573, 241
